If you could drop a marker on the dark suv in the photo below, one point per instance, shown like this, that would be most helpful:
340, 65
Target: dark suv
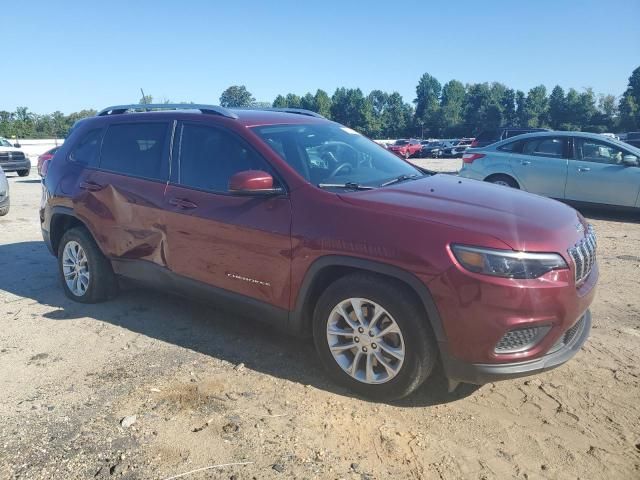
487, 137
304, 223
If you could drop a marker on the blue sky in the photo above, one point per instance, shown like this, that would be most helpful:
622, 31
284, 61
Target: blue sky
70, 55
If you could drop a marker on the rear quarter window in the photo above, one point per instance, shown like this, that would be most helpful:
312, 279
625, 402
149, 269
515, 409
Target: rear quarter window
136, 149
86, 149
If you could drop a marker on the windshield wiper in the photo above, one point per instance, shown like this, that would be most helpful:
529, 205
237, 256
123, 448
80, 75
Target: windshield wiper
401, 178
349, 185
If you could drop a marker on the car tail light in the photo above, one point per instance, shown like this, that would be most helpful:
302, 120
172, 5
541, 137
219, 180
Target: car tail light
471, 157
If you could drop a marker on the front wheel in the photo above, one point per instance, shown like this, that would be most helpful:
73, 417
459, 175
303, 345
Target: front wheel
86, 274
373, 337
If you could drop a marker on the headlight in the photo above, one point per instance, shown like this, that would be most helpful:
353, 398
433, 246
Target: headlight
507, 263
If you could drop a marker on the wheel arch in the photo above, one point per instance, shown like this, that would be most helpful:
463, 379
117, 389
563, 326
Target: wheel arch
62, 220
490, 177
327, 269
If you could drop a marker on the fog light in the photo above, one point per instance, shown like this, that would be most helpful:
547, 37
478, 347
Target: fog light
521, 339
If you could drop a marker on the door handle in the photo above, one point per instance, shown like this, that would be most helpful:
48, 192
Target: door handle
584, 169
182, 203
90, 186
525, 162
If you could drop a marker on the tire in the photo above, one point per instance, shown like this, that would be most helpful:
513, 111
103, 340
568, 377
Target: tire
23, 173
101, 282
415, 339
4, 210
504, 180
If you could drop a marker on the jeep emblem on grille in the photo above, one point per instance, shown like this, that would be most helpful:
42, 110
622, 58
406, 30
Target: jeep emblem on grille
579, 227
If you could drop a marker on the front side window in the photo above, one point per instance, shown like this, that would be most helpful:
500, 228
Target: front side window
590, 150
86, 150
208, 157
136, 149
5, 143
545, 147
328, 153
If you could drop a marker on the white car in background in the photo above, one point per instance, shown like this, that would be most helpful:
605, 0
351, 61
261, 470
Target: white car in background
4, 194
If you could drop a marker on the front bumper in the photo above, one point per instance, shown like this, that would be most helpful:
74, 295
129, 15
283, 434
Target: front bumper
480, 373
15, 166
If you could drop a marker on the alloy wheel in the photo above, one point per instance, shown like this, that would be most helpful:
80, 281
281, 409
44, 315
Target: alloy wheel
365, 341
75, 268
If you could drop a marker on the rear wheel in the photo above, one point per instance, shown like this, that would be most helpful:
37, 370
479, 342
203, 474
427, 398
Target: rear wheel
23, 173
504, 180
86, 274
4, 210
373, 337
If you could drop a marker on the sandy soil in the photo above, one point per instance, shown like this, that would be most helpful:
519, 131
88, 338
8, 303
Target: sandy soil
208, 388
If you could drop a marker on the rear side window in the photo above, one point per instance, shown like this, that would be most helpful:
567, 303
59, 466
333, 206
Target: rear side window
208, 157
136, 149
545, 147
86, 150
511, 146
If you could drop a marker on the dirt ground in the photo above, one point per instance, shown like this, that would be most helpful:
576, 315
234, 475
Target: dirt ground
207, 389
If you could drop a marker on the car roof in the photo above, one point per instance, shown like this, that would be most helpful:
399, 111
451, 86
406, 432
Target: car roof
247, 117
561, 133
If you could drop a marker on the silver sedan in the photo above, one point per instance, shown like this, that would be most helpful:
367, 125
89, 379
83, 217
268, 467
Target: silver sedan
577, 167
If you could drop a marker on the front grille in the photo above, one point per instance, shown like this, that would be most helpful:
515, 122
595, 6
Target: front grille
520, 339
11, 156
583, 255
568, 336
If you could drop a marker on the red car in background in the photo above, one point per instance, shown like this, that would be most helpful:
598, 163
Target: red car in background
406, 148
43, 160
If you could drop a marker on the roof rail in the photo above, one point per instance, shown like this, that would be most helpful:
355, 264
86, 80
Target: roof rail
208, 109
297, 111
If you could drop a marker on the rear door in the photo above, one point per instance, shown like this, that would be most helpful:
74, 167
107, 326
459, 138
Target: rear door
597, 174
540, 165
241, 244
122, 199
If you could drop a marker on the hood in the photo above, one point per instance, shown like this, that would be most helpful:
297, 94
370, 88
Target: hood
522, 220
10, 149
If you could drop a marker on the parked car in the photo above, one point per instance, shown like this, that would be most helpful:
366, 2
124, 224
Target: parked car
43, 160
573, 166
12, 159
406, 148
5, 202
388, 267
431, 149
457, 148
633, 138
487, 137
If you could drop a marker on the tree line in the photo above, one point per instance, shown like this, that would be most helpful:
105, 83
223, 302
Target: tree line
450, 110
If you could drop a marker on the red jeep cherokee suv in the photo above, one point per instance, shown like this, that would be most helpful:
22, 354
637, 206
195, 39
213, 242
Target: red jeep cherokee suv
304, 223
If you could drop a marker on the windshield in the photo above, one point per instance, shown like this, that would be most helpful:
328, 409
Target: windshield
5, 143
332, 154
401, 142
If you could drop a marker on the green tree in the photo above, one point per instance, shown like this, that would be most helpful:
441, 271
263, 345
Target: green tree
427, 102
452, 104
145, 99
351, 108
236, 96
478, 110
396, 117
323, 103
508, 106
280, 102
628, 109
557, 107
537, 106
308, 102
521, 109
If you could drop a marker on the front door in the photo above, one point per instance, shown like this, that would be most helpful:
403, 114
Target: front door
540, 165
241, 244
598, 175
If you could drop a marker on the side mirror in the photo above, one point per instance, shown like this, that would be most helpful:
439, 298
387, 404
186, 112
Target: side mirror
630, 160
17, 145
253, 182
